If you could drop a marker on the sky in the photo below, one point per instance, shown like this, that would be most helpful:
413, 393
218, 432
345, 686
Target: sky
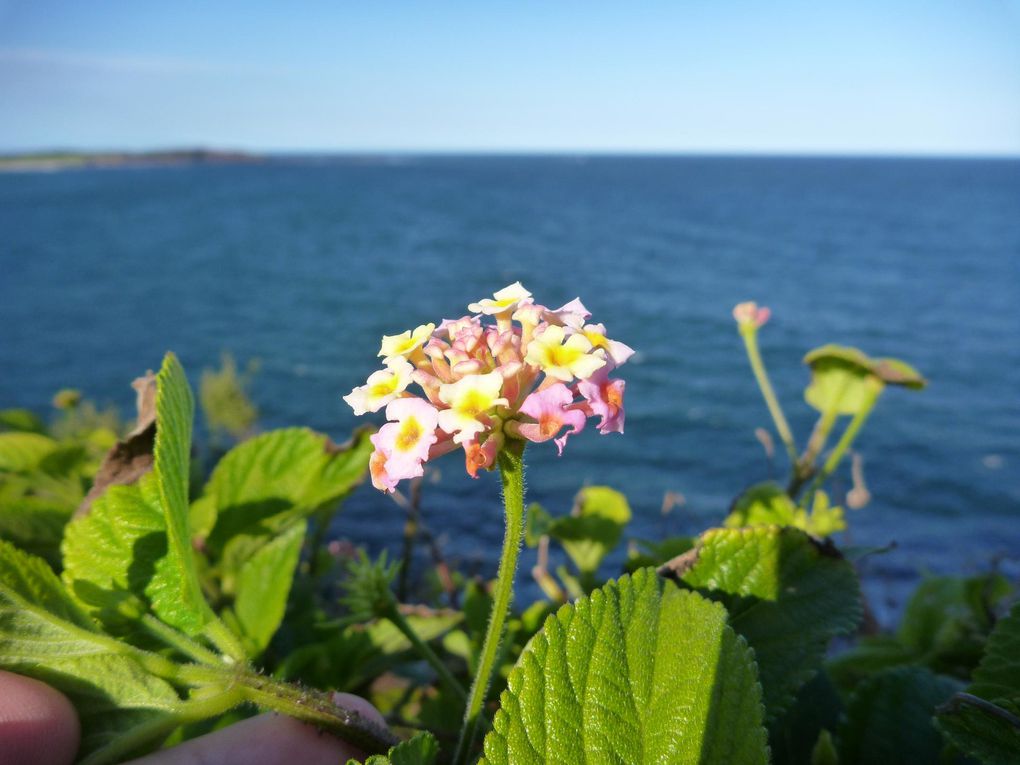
889, 77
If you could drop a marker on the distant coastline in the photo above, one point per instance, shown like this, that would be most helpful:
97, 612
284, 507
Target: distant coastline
53, 161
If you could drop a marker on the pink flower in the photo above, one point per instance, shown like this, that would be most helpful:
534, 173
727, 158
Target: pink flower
570, 314
617, 352
550, 408
505, 372
605, 397
749, 315
405, 443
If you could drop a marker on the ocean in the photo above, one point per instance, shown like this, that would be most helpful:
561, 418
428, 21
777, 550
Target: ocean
304, 262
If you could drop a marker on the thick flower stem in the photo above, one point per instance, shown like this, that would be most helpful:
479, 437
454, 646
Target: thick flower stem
511, 470
750, 337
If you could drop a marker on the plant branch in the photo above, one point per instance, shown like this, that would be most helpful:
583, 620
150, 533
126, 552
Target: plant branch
874, 390
393, 614
316, 708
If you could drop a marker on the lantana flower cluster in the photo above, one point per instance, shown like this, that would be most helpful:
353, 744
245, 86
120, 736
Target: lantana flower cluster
510, 369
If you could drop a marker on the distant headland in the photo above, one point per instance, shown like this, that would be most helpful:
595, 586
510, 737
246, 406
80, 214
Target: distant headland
72, 160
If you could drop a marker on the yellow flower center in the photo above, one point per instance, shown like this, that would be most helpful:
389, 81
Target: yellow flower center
562, 356
597, 339
473, 404
410, 434
385, 388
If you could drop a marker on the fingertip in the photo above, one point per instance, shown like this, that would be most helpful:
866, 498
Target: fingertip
357, 704
38, 724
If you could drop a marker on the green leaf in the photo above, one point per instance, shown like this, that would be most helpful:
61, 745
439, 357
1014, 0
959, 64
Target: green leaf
889, 718
266, 483
36, 525
786, 594
593, 528
824, 751
263, 585
226, 406
840, 378
639, 672
110, 553
985, 721
825, 518
21, 420
23, 451
174, 590
947, 620
765, 504
986, 731
420, 750
45, 635
998, 674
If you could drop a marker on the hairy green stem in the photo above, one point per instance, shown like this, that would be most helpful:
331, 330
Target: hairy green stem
511, 470
393, 614
874, 390
316, 708
750, 337
179, 640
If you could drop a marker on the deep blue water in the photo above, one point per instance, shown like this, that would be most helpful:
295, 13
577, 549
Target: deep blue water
305, 264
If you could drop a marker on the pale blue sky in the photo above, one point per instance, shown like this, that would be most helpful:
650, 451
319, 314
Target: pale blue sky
927, 76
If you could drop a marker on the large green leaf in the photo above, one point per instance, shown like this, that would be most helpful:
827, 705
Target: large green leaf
263, 585
174, 589
110, 553
21, 451
945, 626
986, 731
985, 722
889, 719
998, 674
44, 634
841, 378
948, 619
787, 594
639, 672
264, 484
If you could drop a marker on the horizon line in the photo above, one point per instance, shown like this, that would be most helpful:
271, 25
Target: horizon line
522, 152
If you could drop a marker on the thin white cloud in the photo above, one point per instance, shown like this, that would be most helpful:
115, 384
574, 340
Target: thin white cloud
50, 57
